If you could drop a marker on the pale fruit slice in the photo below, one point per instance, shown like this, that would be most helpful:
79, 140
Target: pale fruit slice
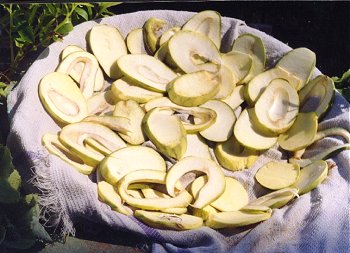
73, 136
301, 134
336, 131
62, 98
107, 44
109, 196
161, 102
227, 82
278, 106
193, 51
146, 71
259, 83
253, 46
125, 160
249, 135
233, 198
133, 113
135, 193
193, 89
235, 219
317, 95
233, 156
300, 62
124, 90
311, 176
174, 210
169, 221
205, 212
196, 146
221, 130
239, 63
135, 42
150, 193
208, 23
94, 145
168, 34
277, 175
102, 103
236, 98
166, 131
55, 147
276, 199
212, 189
70, 49
151, 32
151, 176
256, 209
87, 77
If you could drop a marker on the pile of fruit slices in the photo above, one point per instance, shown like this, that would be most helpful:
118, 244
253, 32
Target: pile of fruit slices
172, 87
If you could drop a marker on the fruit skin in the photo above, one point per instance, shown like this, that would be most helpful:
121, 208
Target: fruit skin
150, 29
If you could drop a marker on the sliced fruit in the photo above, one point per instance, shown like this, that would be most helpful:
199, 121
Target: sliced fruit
151, 176
311, 176
146, 71
169, 221
160, 102
208, 193
151, 33
124, 90
233, 156
196, 146
205, 212
135, 42
168, 34
277, 175
335, 131
235, 219
135, 193
193, 51
236, 98
70, 49
253, 46
133, 113
87, 77
193, 89
317, 95
55, 147
247, 133
278, 106
118, 124
101, 103
166, 131
233, 198
222, 128
107, 44
62, 98
276, 199
239, 63
150, 193
301, 134
259, 83
208, 23
109, 196
227, 82
125, 160
300, 62
256, 209
73, 136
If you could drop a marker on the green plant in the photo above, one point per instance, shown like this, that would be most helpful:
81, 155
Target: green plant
342, 84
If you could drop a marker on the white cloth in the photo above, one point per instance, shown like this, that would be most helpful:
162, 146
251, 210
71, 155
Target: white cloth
315, 222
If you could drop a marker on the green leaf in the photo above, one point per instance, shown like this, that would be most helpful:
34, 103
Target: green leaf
66, 28
82, 13
21, 243
9, 188
6, 166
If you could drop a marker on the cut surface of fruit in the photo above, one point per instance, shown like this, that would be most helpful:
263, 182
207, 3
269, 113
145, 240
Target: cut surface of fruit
233, 156
208, 23
300, 62
249, 135
301, 134
239, 63
222, 128
193, 51
193, 89
62, 98
132, 158
169, 221
204, 212
311, 176
233, 198
276, 199
146, 71
166, 131
124, 90
107, 44
317, 95
277, 175
102, 103
73, 136
236, 98
278, 106
151, 33
135, 43
70, 49
227, 82
212, 189
196, 146
168, 34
